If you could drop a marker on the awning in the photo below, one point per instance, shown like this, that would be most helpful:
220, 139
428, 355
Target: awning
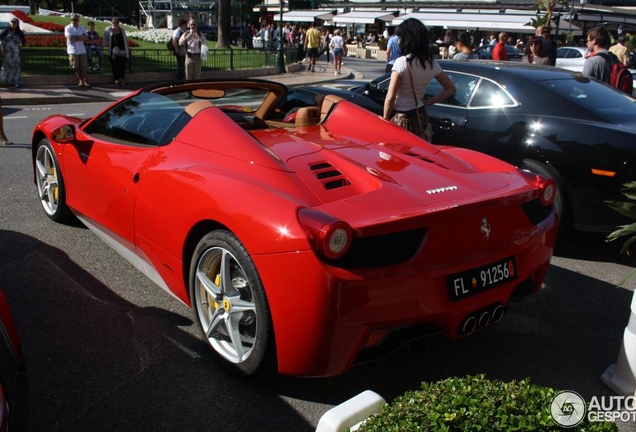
509, 22
270, 7
306, 16
363, 17
473, 21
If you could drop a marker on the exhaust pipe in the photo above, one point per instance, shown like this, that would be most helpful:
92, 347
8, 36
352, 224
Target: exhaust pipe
498, 313
484, 319
469, 326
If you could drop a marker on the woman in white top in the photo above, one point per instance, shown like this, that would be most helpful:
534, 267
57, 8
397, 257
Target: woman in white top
337, 48
410, 76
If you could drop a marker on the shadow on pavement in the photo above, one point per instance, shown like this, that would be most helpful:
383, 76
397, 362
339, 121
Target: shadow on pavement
96, 362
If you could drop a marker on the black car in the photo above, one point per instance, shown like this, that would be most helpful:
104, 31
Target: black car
553, 121
485, 52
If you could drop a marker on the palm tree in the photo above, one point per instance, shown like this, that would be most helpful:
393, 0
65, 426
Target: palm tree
548, 6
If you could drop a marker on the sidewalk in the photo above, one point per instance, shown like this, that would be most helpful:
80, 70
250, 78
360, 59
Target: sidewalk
47, 90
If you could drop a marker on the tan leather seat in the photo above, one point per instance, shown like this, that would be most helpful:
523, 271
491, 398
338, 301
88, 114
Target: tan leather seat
197, 106
328, 104
307, 116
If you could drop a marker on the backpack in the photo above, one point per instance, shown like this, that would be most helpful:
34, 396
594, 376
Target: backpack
170, 45
620, 76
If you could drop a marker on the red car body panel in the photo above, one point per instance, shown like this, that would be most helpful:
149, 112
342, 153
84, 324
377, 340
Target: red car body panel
153, 200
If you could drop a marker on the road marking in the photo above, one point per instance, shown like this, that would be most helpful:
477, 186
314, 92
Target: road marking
15, 117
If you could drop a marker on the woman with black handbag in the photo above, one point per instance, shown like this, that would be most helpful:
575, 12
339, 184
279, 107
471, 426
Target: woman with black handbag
118, 52
410, 76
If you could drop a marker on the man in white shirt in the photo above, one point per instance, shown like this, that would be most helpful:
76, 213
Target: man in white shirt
75, 38
193, 40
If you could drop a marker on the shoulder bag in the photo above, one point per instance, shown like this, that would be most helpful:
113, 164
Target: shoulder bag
425, 127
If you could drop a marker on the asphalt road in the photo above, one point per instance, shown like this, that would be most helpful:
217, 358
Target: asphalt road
106, 349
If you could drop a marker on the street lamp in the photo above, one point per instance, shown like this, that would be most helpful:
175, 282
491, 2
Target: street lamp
280, 60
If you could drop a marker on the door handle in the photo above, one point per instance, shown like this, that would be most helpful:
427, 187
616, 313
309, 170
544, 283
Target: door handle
445, 123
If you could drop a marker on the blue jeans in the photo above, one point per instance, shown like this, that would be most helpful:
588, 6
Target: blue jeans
94, 50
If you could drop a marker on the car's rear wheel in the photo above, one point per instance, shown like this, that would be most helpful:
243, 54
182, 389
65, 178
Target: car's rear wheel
229, 303
561, 199
50, 183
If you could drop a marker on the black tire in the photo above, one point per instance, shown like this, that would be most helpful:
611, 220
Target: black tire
234, 297
50, 183
561, 203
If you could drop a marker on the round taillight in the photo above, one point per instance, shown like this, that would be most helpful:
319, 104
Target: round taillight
329, 236
336, 240
548, 192
546, 185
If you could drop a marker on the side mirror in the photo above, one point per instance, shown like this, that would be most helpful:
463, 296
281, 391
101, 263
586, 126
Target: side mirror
64, 134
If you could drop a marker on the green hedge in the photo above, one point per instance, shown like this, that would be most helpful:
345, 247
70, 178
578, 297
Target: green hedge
473, 403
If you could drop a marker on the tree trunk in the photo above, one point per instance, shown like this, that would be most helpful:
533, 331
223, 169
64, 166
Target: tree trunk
33, 6
223, 23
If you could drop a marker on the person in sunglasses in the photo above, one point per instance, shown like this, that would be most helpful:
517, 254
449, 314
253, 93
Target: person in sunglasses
535, 52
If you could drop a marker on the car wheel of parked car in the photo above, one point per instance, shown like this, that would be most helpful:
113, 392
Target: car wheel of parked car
229, 302
50, 183
560, 200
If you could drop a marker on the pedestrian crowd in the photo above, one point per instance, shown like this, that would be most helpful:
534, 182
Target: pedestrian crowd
85, 46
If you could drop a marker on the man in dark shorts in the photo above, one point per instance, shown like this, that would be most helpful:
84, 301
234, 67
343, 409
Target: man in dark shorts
312, 43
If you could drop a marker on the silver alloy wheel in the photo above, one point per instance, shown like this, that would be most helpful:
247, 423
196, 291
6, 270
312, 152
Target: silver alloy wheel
47, 174
226, 307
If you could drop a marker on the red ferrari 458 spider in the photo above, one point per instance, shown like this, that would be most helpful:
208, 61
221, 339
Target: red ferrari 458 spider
316, 244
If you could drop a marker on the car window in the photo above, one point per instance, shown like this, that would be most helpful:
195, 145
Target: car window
142, 119
490, 95
606, 102
562, 52
511, 50
484, 50
465, 85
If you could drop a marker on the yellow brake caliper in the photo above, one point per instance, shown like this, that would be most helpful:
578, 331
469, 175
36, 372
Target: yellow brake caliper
217, 281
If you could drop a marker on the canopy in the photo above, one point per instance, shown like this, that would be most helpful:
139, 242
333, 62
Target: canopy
505, 21
363, 17
306, 16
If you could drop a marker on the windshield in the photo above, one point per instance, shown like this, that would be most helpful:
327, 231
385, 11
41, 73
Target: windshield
612, 105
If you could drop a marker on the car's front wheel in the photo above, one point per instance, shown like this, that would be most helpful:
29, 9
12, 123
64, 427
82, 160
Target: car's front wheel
50, 183
229, 303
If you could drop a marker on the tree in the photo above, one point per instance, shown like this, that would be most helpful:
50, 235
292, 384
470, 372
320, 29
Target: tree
548, 6
223, 23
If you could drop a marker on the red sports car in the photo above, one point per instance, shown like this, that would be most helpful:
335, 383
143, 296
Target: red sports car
13, 380
315, 244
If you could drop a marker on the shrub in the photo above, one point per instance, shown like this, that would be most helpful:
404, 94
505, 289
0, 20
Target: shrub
50, 26
22, 17
473, 403
626, 208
